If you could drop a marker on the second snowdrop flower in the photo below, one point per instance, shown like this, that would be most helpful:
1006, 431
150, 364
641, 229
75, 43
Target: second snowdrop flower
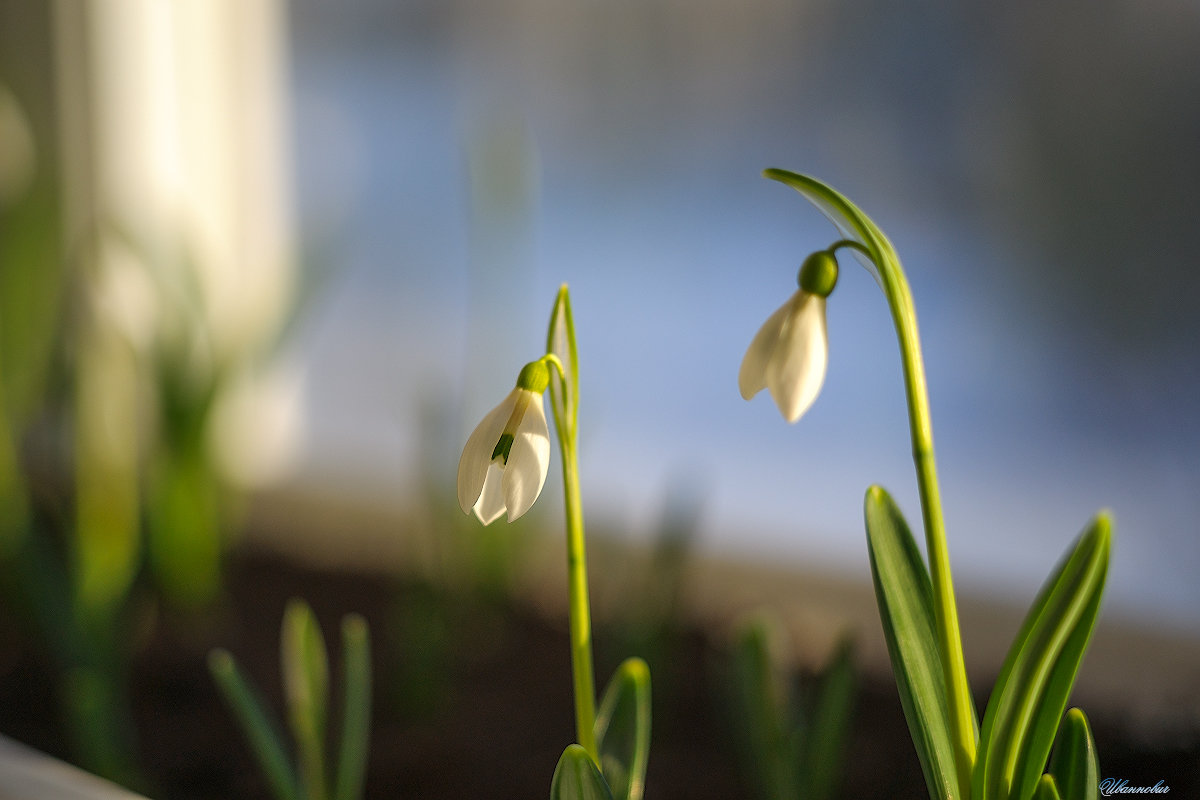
789, 353
504, 463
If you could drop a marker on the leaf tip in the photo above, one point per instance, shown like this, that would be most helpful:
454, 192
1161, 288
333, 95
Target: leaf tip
637, 669
1100, 532
220, 661
296, 610
354, 626
576, 777
876, 495
776, 174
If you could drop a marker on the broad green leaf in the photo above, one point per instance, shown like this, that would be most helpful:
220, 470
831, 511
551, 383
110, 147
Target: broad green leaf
265, 740
829, 728
1074, 764
356, 719
1047, 789
623, 729
772, 743
577, 778
306, 685
905, 597
1036, 679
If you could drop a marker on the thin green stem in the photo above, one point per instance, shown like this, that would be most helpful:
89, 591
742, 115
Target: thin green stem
904, 315
962, 715
555, 362
579, 610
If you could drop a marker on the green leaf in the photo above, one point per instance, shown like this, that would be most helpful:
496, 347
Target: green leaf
623, 729
905, 598
825, 746
772, 743
1074, 764
306, 686
265, 740
1035, 682
1046, 789
577, 778
356, 720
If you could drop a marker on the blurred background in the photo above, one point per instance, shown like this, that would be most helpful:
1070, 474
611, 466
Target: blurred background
455, 162
291, 252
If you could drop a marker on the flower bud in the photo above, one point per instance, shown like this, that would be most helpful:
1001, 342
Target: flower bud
534, 377
819, 273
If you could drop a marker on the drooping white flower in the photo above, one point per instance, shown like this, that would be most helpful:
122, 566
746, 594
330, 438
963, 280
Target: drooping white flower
505, 461
789, 353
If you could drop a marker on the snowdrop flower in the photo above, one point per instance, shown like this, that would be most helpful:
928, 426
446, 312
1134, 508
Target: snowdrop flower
504, 463
789, 353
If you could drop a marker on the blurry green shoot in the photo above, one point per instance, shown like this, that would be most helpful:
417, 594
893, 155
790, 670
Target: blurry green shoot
1005, 759
305, 668
794, 751
77, 601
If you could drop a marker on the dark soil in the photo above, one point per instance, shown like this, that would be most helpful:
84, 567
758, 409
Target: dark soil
473, 700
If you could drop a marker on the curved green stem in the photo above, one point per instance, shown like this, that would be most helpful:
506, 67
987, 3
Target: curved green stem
866, 238
560, 346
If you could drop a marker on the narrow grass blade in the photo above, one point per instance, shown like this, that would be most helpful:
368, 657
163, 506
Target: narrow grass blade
905, 597
825, 745
623, 730
263, 736
356, 719
1036, 679
1047, 789
577, 778
1074, 764
306, 684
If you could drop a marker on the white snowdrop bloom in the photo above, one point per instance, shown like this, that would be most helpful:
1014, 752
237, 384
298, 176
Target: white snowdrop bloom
789, 353
505, 461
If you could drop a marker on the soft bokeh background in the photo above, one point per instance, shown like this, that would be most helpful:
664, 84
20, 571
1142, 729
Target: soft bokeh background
400, 188
1034, 165
263, 266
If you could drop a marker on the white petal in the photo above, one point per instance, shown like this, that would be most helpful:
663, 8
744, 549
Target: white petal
477, 453
797, 369
528, 461
752, 377
491, 500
